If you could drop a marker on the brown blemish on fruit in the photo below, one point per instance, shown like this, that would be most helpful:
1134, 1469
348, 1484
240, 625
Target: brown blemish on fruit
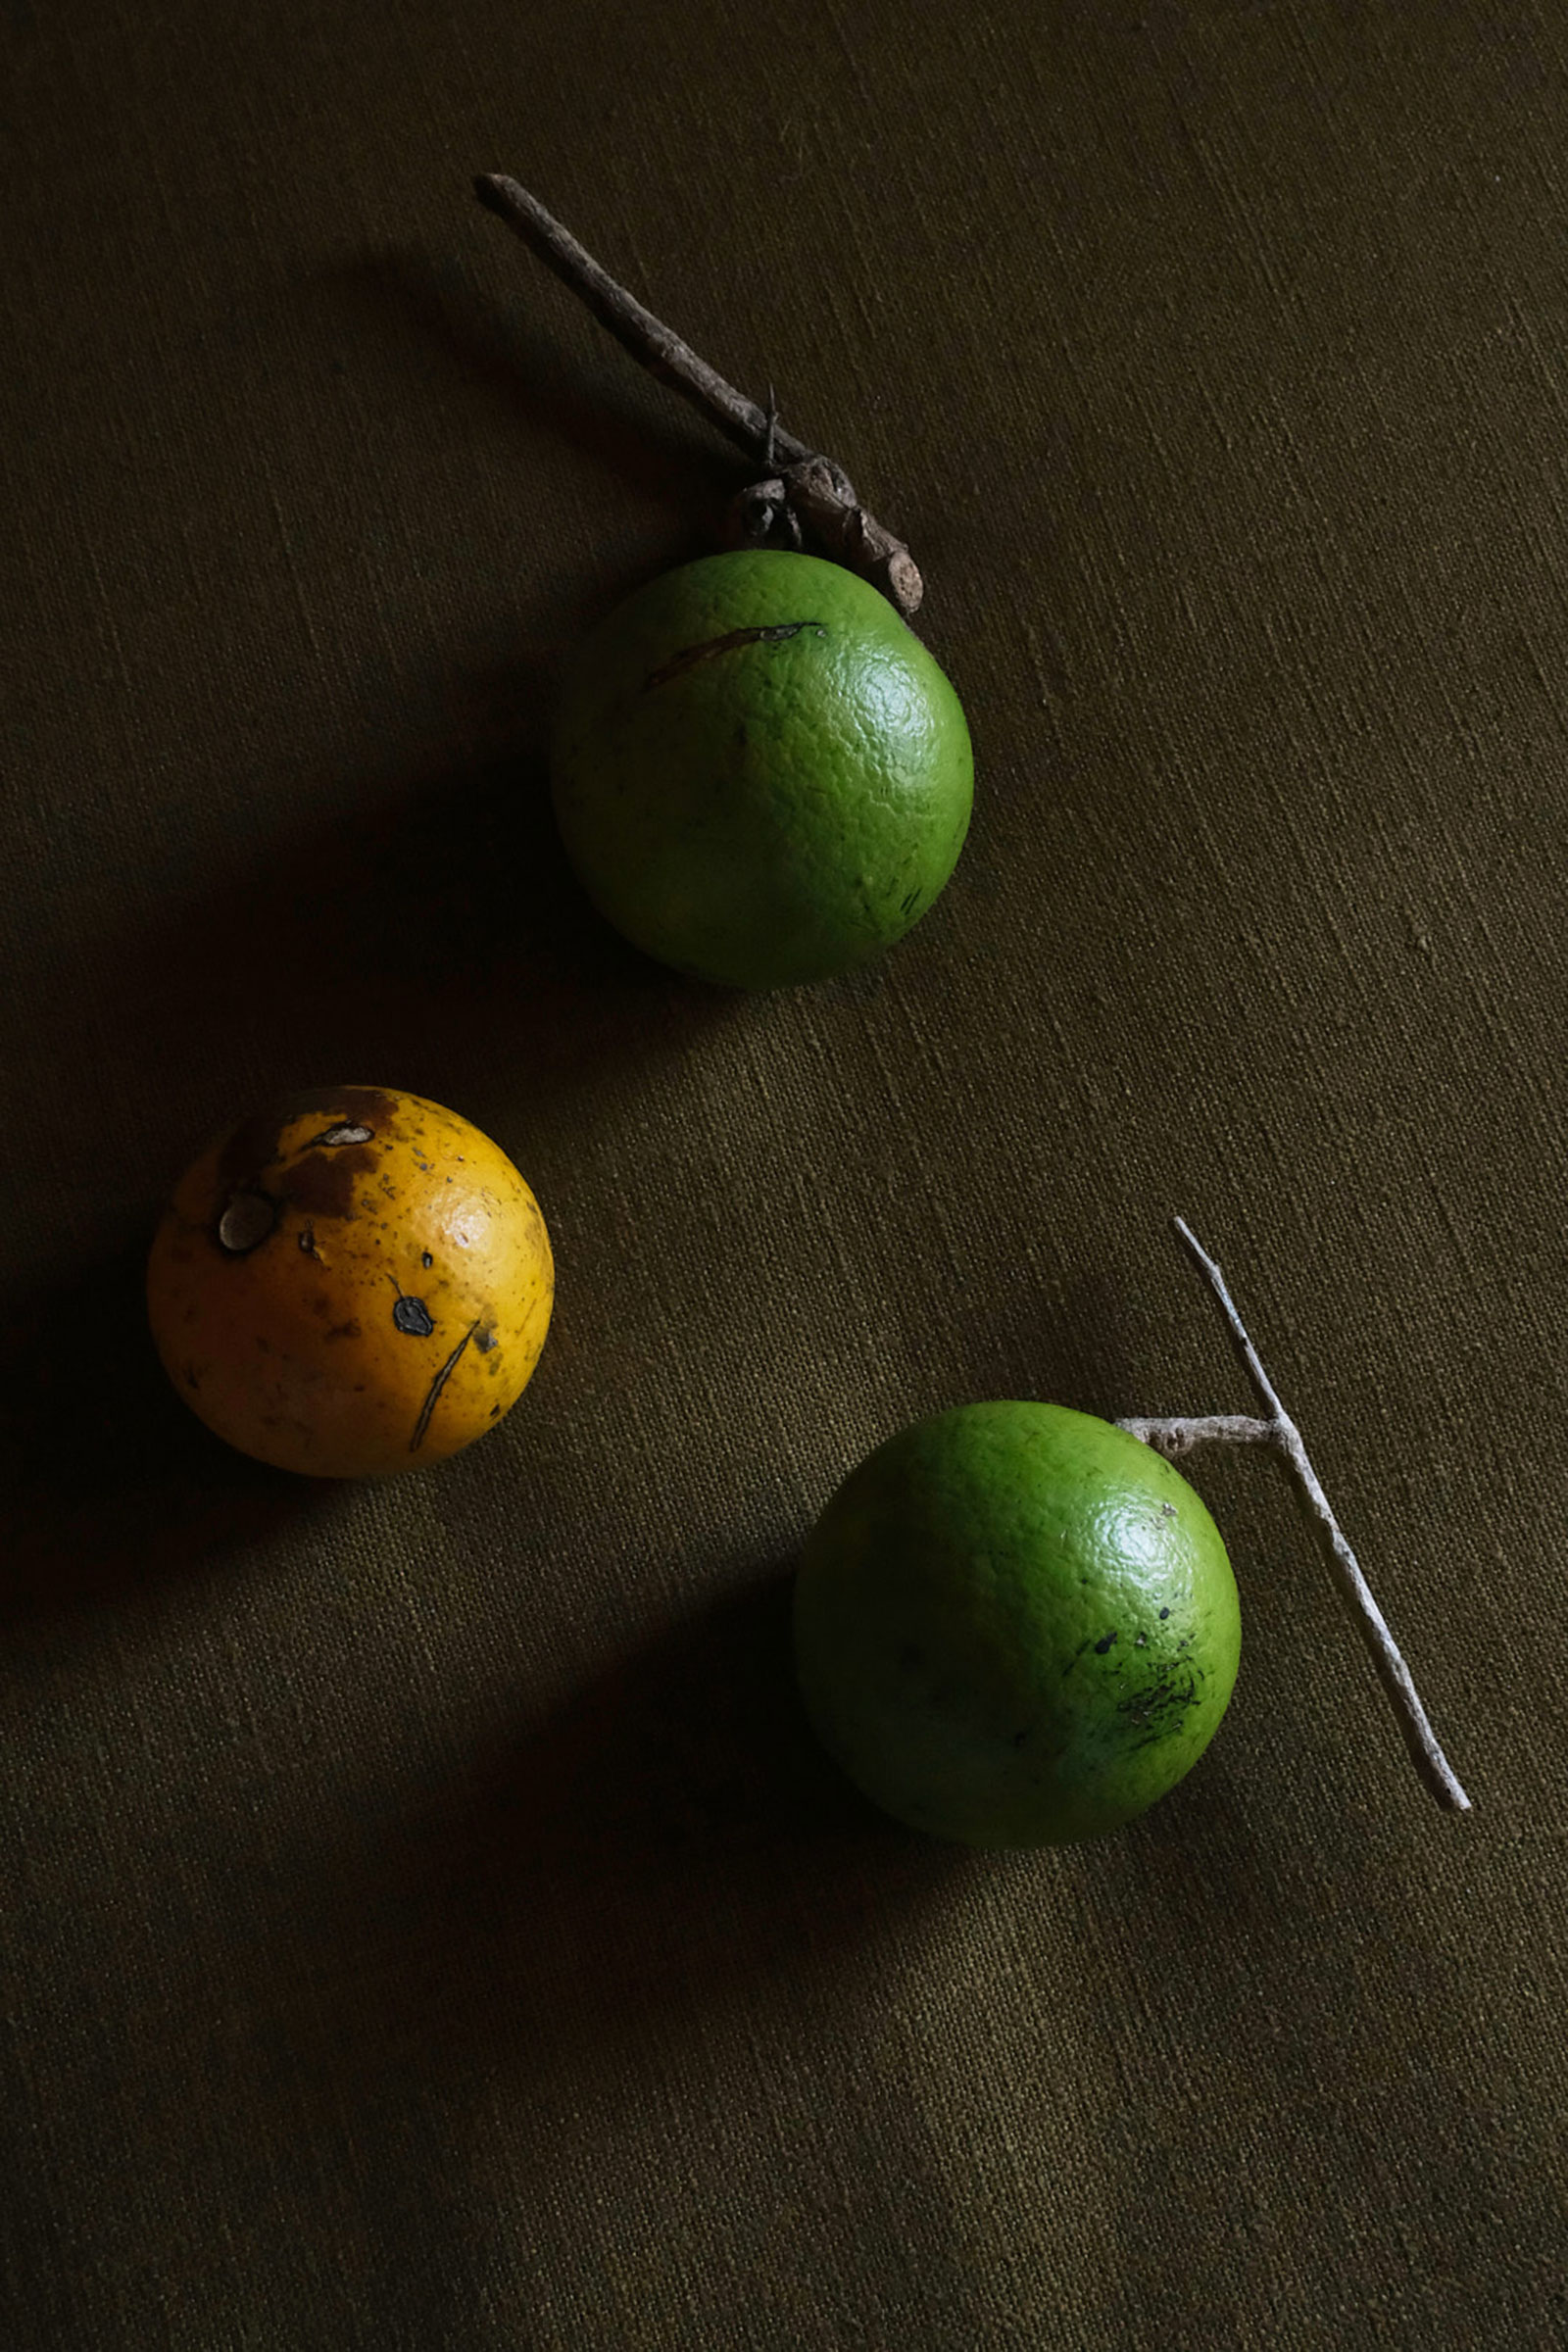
322, 1184
776, 632
346, 1330
413, 1317
256, 1144
351, 1105
484, 1339
249, 1152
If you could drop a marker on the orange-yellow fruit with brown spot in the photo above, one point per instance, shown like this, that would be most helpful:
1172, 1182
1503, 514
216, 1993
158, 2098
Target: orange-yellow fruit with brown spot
351, 1282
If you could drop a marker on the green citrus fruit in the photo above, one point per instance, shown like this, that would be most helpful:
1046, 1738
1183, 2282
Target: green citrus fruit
760, 774
1015, 1625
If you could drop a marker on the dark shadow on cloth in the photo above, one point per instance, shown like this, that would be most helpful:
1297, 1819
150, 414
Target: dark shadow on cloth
609, 1886
429, 934
674, 1828
111, 1485
507, 352
437, 940
576, 1876
433, 940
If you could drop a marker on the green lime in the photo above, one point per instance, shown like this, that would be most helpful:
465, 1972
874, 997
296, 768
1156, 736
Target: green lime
760, 774
1015, 1625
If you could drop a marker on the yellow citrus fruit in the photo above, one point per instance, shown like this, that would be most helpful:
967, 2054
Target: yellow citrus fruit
351, 1282
1015, 1625
760, 774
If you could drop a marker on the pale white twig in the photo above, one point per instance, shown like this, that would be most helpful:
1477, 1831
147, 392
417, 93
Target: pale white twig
1178, 1435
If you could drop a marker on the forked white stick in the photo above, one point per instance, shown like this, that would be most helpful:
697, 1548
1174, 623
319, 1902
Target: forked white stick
1177, 1436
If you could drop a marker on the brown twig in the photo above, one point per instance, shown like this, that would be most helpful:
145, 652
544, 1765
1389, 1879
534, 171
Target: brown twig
1177, 1436
806, 493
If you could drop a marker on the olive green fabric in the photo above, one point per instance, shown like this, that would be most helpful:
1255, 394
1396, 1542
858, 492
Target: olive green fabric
426, 1921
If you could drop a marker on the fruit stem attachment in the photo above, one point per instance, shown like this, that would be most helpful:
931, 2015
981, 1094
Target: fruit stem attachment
1176, 1437
807, 495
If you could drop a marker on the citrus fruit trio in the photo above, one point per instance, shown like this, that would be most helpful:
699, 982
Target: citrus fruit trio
351, 1282
1015, 1625
760, 775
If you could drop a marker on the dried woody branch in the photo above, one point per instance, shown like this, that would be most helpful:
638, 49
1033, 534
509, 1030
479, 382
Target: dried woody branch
1177, 1436
802, 493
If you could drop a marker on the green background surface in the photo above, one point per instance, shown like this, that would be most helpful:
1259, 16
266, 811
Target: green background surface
425, 1921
